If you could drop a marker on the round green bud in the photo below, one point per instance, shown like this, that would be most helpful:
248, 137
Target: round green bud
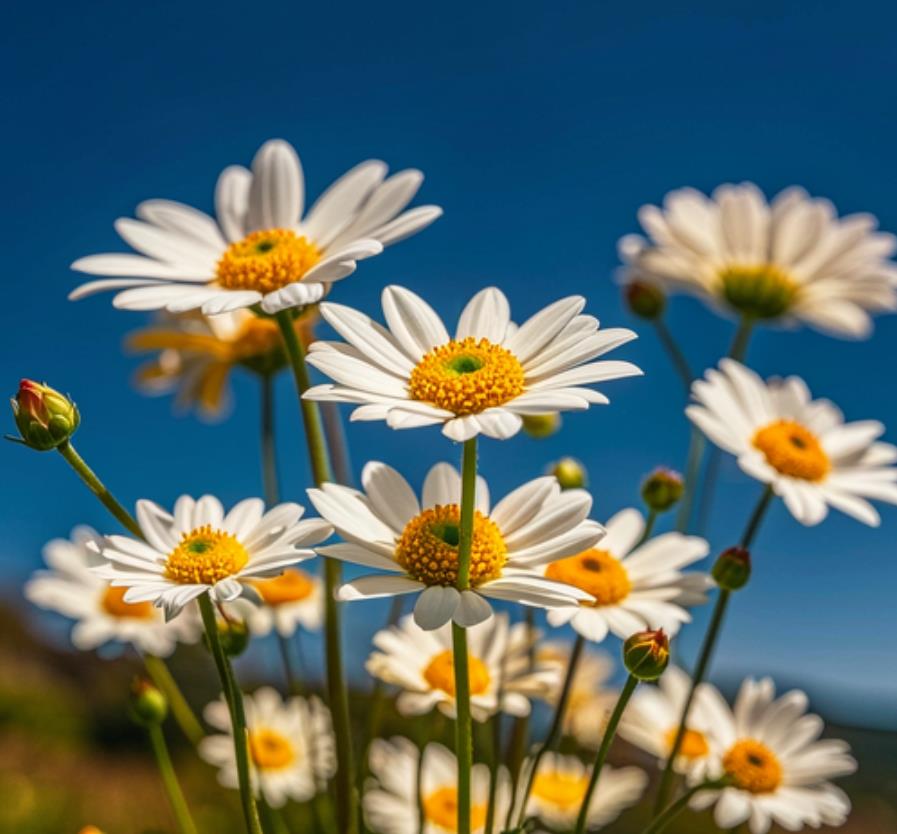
571, 474
541, 425
646, 300
646, 654
732, 569
44, 417
148, 705
234, 636
662, 489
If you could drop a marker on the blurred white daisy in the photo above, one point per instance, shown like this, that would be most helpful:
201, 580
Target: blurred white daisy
631, 588
259, 249
481, 381
199, 549
559, 790
801, 447
420, 662
391, 797
295, 599
291, 748
792, 260
780, 769
387, 528
71, 588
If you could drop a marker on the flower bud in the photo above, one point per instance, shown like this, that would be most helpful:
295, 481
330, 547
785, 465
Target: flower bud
646, 300
45, 418
541, 425
571, 474
234, 636
732, 569
148, 705
646, 654
662, 489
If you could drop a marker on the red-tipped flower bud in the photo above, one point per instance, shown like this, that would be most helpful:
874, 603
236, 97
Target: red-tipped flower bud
148, 705
732, 569
541, 425
662, 489
646, 654
646, 300
45, 418
571, 474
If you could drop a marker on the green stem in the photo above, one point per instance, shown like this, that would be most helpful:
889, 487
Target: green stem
161, 676
680, 363
696, 446
650, 521
269, 449
662, 820
336, 442
170, 781
606, 741
494, 769
739, 346
274, 821
234, 700
347, 794
294, 685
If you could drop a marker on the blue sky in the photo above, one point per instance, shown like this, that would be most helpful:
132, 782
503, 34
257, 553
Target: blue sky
541, 129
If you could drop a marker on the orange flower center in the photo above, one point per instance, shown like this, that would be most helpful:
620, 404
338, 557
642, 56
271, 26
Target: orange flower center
266, 261
694, 743
564, 790
440, 674
113, 603
596, 572
270, 750
441, 808
205, 556
753, 766
793, 450
292, 585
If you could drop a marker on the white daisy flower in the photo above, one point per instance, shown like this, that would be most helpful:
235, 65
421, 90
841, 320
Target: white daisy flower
71, 588
200, 549
387, 528
651, 722
291, 748
780, 769
631, 588
260, 249
792, 260
801, 447
559, 790
420, 662
391, 799
481, 381
293, 600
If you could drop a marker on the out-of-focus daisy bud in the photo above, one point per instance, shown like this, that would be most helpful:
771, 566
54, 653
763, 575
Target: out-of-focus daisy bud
45, 418
148, 705
234, 636
541, 425
646, 300
662, 489
571, 474
646, 654
732, 569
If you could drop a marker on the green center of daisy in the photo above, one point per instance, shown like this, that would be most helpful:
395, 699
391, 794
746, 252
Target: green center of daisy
448, 532
464, 364
759, 291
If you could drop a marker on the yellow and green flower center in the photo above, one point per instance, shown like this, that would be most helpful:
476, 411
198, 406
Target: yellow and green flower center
467, 377
564, 790
793, 450
694, 743
205, 556
759, 291
440, 673
597, 572
753, 766
266, 261
270, 750
441, 809
113, 603
293, 585
428, 547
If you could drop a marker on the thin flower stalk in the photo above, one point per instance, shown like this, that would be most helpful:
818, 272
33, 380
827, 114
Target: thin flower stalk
170, 781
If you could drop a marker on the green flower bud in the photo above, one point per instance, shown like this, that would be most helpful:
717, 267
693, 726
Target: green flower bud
541, 425
662, 489
148, 705
234, 636
571, 474
646, 654
646, 300
732, 569
45, 418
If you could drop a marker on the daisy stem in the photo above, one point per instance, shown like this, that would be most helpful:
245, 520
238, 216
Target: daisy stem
710, 638
269, 448
161, 676
606, 741
463, 725
347, 794
170, 781
494, 764
238, 717
677, 357
650, 521
662, 820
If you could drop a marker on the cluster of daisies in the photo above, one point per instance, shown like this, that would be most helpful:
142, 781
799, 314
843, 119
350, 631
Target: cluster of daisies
226, 287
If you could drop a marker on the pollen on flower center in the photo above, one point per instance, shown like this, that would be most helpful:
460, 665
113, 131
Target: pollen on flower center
270, 750
694, 743
428, 547
596, 572
266, 261
292, 585
113, 603
762, 291
793, 450
440, 673
467, 376
565, 790
753, 766
205, 556
441, 808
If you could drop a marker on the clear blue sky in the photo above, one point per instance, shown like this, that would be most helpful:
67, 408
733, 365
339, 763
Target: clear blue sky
541, 129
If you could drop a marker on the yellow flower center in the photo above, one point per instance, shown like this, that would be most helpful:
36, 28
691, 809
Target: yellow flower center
753, 766
428, 547
565, 790
596, 572
205, 556
441, 809
266, 261
761, 291
270, 750
467, 377
440, 673
694, 743
793, 450
113, 603
292, 585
